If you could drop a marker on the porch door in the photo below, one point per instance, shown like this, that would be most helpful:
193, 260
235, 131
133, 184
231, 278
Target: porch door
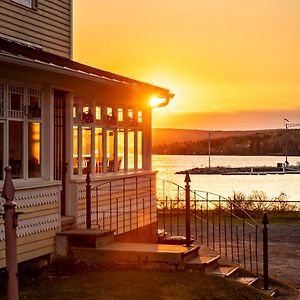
60, 165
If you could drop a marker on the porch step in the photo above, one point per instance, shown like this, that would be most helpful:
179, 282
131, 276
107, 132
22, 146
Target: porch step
85, 238
67, 222
135, 253
224, 271
246, 280
203, 263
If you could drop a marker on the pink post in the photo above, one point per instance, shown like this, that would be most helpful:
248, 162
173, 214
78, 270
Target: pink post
10, 223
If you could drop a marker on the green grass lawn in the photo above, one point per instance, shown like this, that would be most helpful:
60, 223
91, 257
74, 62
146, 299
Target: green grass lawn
136, 284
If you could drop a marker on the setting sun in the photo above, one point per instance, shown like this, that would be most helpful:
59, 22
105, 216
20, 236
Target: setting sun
157, 101
227, 59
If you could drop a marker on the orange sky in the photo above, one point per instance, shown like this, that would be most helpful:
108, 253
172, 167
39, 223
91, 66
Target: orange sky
224, 59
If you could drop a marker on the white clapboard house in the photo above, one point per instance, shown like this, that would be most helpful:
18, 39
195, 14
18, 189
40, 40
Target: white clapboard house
59, 121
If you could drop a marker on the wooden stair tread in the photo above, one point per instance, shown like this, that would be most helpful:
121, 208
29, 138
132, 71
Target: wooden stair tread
202, 260
246, 280
223, 271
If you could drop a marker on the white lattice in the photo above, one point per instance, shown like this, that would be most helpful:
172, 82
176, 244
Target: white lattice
16, 101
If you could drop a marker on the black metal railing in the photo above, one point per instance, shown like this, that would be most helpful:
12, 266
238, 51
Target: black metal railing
222, 224
215, 221
123, 204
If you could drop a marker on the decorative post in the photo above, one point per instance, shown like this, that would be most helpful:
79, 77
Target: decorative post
265, 222
10, 223
88, 201
187, 181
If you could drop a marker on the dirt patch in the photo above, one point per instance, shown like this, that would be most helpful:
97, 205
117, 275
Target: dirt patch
284, 253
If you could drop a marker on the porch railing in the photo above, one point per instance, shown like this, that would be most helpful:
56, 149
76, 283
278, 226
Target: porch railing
215, 221
122, 204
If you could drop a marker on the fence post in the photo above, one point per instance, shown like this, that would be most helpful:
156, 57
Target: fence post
265, 222
187, 181
10, 222
88, 201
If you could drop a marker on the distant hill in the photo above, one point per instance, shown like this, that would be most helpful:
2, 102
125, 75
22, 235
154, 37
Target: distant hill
170, 136
262, 142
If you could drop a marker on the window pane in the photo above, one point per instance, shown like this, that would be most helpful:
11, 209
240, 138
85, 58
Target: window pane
110, 137
86, 149
16, 101
140, 117
1, 151
98, 150
120, 114
98, 113
140, 150
34, 104
16, 148
121, 149
75, 150
34, 150
130, 149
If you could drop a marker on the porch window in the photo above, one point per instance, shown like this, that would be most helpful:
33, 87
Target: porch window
34, 104
106, 143
131, 149
20, 130
120, 114
34, 150
16, 148
98, 150
98, 113
110, 150
121, 152
86, 149
140, 117
16, 101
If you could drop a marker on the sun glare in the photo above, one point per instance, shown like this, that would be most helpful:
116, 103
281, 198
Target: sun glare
156, 101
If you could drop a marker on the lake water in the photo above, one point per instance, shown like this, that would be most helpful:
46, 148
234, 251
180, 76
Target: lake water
225, 185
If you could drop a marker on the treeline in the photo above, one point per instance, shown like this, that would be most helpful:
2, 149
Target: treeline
259, 143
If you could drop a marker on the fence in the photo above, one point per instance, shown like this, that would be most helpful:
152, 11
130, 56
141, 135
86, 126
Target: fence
124, 204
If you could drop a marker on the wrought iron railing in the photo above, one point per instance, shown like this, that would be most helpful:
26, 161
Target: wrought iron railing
215, 221
122, 204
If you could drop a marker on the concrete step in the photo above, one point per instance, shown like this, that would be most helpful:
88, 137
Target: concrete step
224, 271
190, 252
203, 263
246, 280
85, 238
135, 253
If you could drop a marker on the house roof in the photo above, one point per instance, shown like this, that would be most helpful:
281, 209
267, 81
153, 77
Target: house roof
30, 54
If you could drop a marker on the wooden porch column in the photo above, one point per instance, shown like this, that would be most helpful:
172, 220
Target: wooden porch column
47, 139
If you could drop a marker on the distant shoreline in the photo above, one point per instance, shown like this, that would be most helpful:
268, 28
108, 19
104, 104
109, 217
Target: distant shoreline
264, 170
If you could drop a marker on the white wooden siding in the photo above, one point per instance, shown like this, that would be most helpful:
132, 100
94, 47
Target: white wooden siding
130, 209
49, 26
38, 224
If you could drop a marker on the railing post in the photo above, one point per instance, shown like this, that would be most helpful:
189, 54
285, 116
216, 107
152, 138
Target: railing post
88, 201
265, 222
10, 222
187, 181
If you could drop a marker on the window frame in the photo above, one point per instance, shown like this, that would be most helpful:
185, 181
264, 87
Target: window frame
22, 115
109, 111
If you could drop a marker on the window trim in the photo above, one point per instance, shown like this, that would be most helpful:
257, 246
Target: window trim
6, 118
